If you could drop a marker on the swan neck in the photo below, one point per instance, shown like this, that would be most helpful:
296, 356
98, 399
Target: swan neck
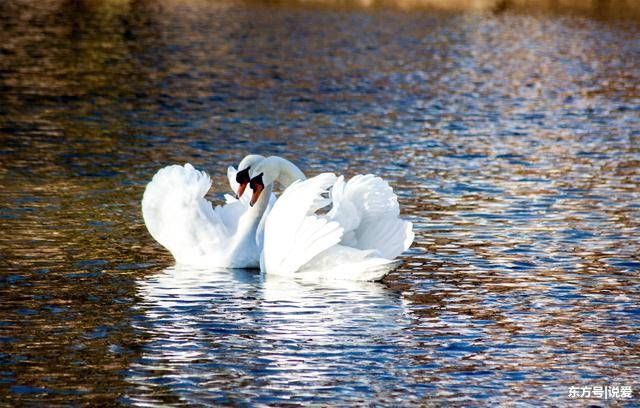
261, 205
248, 224
287, 172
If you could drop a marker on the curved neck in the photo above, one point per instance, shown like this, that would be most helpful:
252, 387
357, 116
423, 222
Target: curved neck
286, 172
249, 221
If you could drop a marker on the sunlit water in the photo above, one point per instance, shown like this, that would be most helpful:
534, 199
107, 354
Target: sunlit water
513, 141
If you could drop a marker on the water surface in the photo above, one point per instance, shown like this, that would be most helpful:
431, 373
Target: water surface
512, 140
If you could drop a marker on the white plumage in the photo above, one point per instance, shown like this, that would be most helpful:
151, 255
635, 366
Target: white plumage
294, 234
179, 217
322, 227
357, 239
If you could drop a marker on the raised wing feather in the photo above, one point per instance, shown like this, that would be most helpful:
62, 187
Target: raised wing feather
231, 176
293, 235
372, 196
367, 208
389, 236
178, 216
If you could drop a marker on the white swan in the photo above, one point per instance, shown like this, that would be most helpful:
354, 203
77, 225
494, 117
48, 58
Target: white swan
179, 217
357, 239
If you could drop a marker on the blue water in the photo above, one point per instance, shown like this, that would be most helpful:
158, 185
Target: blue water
512, 141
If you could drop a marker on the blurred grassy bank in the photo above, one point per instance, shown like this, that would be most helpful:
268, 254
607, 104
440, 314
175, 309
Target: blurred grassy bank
593, 7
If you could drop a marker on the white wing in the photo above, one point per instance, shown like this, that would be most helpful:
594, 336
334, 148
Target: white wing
231, 176
367, 208
293, 234
179, 217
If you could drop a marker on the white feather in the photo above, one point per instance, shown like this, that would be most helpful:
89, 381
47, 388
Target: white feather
357, 239
367, 208
179, 217
292, 236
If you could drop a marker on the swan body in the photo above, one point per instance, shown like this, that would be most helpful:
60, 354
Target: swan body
197, 234
322, 227
357, 239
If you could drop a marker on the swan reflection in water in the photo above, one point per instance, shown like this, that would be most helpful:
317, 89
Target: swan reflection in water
236, 336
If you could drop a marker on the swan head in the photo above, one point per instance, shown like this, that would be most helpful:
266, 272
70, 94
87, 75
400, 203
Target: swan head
263, 173
266, 172
242, 176
257, 186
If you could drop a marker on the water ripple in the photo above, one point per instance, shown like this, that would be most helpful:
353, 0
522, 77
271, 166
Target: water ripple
511, 140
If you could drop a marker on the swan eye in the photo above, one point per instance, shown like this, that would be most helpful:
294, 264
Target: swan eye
242, 177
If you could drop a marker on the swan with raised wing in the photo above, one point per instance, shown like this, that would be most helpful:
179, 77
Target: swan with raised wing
324, 227
181, 219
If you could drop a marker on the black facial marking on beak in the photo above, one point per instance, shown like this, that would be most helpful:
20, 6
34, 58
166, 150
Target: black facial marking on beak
242, 178
257, 186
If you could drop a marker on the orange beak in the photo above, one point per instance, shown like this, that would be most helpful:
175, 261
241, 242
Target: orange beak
256, 194
241, 188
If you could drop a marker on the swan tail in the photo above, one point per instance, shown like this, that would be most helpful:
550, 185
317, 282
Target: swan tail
178, 216
293, 235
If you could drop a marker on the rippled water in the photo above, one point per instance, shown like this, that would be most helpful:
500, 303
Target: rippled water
513, 141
